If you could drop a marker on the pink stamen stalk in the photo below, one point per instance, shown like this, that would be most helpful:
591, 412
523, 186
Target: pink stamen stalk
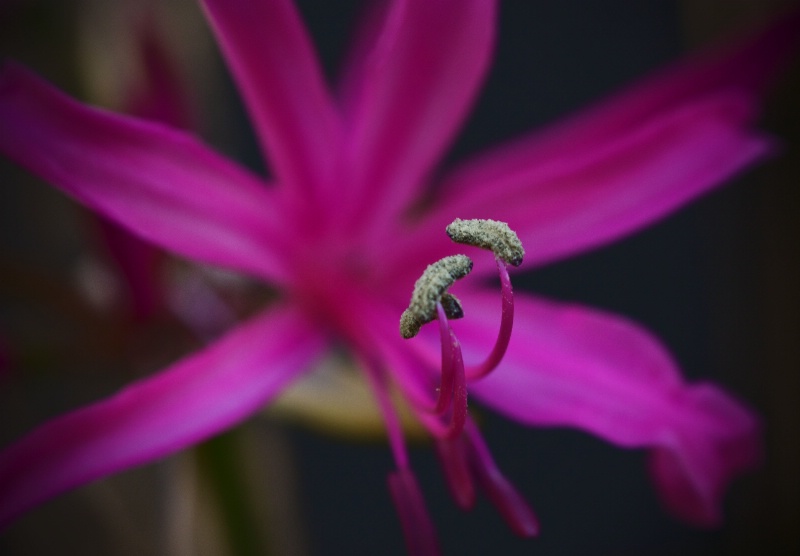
447, 380
459, 414
394, 430
511, 505
506, 324
453, 378
452, 454
452, 396
418, 529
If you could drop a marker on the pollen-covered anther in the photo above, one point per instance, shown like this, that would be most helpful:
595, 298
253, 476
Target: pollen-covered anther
488, 234
430, 289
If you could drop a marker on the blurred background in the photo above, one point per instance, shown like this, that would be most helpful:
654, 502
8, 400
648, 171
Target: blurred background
717, 282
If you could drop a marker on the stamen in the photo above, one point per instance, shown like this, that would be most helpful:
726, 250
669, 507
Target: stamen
452, 454
506, 324
488, 234
418, 528
459, 405
411, 324
511, 505
453, 384
394, 430
448, 368
452, 306
463, 453
428, 291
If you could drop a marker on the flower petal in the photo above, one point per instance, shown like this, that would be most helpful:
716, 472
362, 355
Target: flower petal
632, 159
190, 401
161, 184
571, 204
572, 366
274, 64
746, 66
413, 91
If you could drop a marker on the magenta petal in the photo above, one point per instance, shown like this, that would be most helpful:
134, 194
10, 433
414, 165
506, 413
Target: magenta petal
188, 402
686, 468
576, 201
628, 161
413, 90
745, 67
573, 203
572, 366
273, 61
161, 184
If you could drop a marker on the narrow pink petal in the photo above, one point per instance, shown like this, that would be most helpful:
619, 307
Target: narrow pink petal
571, 366
576, 202
413, 91
272, 59
572, 204
686, 469
632, 159
161, 184
745, 66
188, 402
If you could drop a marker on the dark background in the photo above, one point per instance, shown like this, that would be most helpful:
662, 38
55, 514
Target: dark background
716, 281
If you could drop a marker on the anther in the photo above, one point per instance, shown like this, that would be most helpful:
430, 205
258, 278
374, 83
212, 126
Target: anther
430, 289
410, 324
488, 234
452, 306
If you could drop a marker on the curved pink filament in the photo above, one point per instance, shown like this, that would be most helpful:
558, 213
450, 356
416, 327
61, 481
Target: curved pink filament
394, 430
459, 406
447, 381
506, 324
453, 385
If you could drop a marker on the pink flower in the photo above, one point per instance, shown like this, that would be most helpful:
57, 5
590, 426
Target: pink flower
348, 222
